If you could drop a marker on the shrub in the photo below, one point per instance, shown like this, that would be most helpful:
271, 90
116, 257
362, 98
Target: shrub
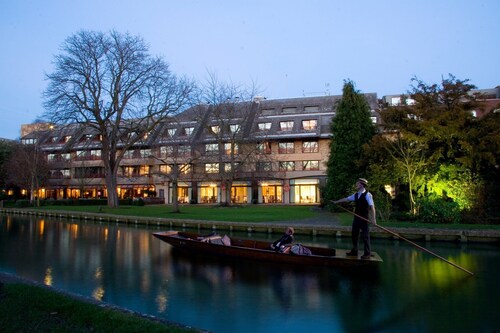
438, 210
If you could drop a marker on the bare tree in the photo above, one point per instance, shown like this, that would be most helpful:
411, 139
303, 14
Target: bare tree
28, 169
230, 115
110, 83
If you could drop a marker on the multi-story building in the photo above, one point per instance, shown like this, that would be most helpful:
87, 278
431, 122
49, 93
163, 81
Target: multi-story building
264, 151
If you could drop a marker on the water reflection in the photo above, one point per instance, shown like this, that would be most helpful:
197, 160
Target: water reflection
411, 292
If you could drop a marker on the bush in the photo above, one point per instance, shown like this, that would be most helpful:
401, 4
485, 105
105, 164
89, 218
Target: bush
438, 210
138, 202
22, 203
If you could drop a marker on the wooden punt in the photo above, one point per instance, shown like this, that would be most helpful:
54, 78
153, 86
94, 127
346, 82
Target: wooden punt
261, 251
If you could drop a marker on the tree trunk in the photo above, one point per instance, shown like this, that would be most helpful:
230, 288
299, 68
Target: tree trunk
175, 197
112, 193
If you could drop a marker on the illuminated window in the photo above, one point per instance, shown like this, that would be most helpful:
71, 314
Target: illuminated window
165, 168
264, 126
309, 125
229, 147
286, 125
211, 167
215, 129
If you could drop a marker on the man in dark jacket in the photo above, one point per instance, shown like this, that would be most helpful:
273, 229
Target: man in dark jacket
364, 211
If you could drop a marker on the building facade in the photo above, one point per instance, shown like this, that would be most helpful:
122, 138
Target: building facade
263, 151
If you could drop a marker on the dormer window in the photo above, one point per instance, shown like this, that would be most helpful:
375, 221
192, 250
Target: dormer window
171, 132
215, 129
309, 125
188, 131
234, 128
286, 125
264, 126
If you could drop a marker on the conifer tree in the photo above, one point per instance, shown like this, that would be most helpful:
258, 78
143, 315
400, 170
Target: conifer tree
351, 129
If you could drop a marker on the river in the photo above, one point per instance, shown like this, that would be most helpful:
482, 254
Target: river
123, 265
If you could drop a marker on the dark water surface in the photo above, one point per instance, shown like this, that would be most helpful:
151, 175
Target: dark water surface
410, 292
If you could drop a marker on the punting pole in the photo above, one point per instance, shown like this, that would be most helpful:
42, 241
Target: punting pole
407, 240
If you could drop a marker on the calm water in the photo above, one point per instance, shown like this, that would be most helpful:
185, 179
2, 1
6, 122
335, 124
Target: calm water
411, 292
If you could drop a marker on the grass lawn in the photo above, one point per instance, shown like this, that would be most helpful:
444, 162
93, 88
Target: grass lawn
254, 213
249, 213
27, 308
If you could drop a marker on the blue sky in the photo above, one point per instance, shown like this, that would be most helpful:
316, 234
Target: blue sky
289, 48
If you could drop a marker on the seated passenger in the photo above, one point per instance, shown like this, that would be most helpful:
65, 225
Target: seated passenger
287, 238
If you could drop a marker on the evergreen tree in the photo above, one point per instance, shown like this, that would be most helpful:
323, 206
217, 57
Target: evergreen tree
351, 129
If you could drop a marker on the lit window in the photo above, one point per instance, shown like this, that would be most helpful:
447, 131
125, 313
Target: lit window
215, 129
286, 125
309, 125
144, 170
231, 148
264, 126
166, 168
211, 167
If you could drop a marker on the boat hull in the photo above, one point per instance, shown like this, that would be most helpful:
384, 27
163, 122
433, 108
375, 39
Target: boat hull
261, 252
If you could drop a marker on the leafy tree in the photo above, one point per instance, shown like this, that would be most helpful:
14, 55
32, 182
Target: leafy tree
433, 142
351, 129
110, 83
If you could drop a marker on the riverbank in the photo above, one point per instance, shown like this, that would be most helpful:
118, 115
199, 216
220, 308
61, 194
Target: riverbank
30, 306
324, 224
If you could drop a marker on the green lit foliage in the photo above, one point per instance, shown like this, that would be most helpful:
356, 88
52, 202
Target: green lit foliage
453, 183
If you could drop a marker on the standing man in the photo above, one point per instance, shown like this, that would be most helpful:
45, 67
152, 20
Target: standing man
364, 210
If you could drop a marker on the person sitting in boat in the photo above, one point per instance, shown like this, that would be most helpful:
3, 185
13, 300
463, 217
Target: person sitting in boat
286, 239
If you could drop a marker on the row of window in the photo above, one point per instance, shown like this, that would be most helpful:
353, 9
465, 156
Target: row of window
307, 125
287, 147
209, 168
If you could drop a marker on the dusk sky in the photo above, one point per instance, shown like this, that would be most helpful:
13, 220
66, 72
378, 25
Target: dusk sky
289, 48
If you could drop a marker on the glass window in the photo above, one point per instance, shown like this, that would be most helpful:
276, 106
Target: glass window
211, 148
264, 166
264, 126
235, 128
228, 148
165, 168
211, 167
286, 125
264, 148
188, 131
215, 129
287, 166
286, 148
310, 147
310, 165
309, 125
171, 131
